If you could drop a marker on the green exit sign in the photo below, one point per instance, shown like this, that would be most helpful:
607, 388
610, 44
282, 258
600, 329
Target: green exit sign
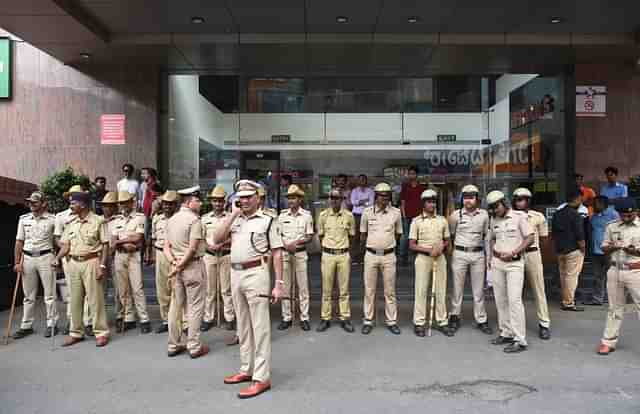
6, 67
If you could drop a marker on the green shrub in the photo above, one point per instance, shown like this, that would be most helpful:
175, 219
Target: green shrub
57, 183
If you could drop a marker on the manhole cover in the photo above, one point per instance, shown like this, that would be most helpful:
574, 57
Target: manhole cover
486, 390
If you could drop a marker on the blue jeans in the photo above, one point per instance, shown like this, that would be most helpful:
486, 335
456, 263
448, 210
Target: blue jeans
404, 240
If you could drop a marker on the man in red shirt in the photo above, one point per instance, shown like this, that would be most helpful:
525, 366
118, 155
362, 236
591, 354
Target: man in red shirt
410, 206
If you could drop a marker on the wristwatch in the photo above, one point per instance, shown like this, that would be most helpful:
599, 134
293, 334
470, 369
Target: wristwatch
103, 266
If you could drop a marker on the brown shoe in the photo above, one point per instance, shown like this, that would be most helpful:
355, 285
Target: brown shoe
102, 341
254, 389
71, 340
237, 378
605, 349
234, 341
204, 350
176, 351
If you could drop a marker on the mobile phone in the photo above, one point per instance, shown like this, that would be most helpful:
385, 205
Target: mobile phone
237, 203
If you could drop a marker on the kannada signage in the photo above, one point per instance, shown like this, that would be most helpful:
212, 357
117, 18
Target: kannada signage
447, 138
6, 67
112, 129
591, 101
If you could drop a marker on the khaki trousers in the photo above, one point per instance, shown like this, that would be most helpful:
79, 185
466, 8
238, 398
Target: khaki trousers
386, 264
534, 272
296, 265
129, 275
188, 296
508, 280
85, 286
218, 269
86, 318
253, 320
332, 265
424, 278
570, 266
474, 264
618, 282
38, 269
163, 292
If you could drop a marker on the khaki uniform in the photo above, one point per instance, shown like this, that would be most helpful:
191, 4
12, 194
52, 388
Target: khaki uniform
295, 227
188, 288
428, 232
37, 235
335, 229
620, 277
469, 230
533, 269
508, 233
382, 227
128, 267
86, 237
111, 265
251, 239
158, 235
218, 265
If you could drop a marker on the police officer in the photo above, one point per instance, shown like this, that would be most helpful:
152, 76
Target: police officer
381, 229
218, 264
85, 243
533, 268
469, 227
184, 248
511, 234
296, 225
262, 194
622, 242
429, 237
127, 240
253, 234
158, 236
33, 256
336, 229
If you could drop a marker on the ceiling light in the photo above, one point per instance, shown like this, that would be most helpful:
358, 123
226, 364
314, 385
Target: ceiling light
556, 20
342, 19
413, 19
85, 55
197, 20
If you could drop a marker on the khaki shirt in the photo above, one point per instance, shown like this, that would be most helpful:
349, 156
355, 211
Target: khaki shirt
628, 234
270, 212
429, 231
335, 228
127, 226
469, 229
211, 223
85, 236
538, 223
297, 226
36, 232
159, 230
62, 219
110, 225
182, 228
249, 237
510, 230
381, 226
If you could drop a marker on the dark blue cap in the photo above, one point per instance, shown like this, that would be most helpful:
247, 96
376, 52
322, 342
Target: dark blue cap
625, 205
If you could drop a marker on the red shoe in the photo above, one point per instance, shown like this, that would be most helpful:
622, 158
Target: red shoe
237, 378
204, 350
102, 341
254, 390
605, 349
71, 340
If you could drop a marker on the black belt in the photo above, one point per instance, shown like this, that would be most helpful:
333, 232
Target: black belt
37, 254
381, 252
334, 251
300, 249
531, 249
246, 265
222, 252
469, 249
159, 248
626, 266
512, 259
122, 250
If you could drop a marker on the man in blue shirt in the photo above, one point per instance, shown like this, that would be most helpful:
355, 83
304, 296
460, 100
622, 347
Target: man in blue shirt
613, 189
603, 214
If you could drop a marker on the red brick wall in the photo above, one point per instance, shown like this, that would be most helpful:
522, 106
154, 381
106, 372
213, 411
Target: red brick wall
14, 191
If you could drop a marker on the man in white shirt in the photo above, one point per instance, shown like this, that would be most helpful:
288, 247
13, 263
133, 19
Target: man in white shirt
361, 197
128, 183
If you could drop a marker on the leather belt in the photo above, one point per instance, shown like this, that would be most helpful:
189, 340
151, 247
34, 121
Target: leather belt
381, 252
513, 259
626, 266
122, 250
222, 252
38, 253
469, 249
531, 249
246, 265
85, 257
159, 248
334, 251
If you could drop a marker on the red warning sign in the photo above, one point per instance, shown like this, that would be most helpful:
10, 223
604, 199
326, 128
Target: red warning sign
112, 130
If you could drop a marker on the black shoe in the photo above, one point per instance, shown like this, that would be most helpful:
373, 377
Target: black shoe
185, 331
347, 326
162, 328
514, 348
454, 322
129, 325
21, 333
419, 331
445, 329
592, 303
572, 308
544, 333
205, 326
88, 330
284, 325
394, 329
485, 328
324, 325
229, 326
119, 325
67, 327
51, 330
176, 352
366, 329
305, 325
145, 327
501, 340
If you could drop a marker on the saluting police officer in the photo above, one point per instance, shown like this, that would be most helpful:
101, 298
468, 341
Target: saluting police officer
127, 240
33, 256
511, 234
469, 227
253, 234
429, 237
622, 242
217, 260
380, 228
296, 225
336, 229
85, 243
533, 268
